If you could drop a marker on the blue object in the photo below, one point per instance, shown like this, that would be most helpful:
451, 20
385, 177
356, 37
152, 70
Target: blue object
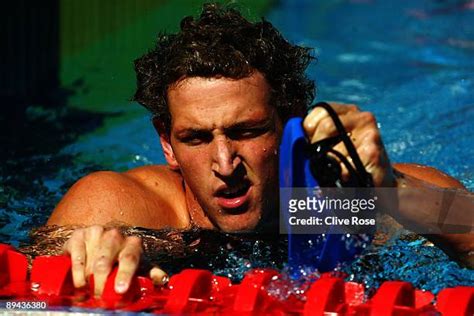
327, 251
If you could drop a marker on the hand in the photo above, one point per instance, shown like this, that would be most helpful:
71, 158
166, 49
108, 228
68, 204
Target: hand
94, 250
362, 128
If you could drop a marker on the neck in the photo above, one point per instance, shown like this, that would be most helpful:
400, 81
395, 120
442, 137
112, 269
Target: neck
196, 213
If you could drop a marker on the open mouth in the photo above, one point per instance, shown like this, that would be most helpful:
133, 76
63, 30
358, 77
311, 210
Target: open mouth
233, 197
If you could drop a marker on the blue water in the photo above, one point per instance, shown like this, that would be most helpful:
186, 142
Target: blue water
409, 62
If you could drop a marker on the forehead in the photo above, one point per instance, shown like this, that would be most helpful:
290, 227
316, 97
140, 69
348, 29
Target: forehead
211, 102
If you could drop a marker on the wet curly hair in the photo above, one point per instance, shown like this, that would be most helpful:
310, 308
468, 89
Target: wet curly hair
222, 43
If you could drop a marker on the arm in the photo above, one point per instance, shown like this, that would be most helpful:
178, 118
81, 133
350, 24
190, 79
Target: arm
429, 175
459, 246
367, 140
149, 197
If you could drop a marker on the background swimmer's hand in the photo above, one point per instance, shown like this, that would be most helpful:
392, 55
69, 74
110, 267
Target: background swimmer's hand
94, 250
364, 133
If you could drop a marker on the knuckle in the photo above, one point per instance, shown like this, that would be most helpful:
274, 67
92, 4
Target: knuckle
373, 153
353, 108
308, 123
326, 125
95, 230
78, 262
77, 234
367, 118
102, 265
373, 136
76, 240
135, 242
113, 234
314, 112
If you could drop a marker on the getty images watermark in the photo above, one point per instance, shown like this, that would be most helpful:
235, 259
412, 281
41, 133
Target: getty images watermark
325, 205
357, 210
321, 211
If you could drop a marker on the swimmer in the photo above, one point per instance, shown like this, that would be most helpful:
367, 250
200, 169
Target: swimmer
220, 92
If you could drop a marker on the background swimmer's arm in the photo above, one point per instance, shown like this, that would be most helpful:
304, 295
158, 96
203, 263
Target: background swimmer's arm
150, 197
458, 246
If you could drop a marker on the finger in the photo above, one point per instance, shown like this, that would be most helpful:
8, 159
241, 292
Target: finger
93, 234
342, 108
343, 151
158, 276
368, 147
111, 244
129, 258
378, 165
311, 120
318, 113
345, 176
76, 248
358, 139
326, 128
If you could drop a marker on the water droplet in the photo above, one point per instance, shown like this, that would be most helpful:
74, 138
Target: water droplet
121, 213
264, 149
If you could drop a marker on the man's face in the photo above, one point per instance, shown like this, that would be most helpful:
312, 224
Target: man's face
224, 138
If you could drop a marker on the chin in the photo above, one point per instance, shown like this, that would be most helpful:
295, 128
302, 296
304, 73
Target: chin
237, 224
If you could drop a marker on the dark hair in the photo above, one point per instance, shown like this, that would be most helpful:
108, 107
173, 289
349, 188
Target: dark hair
222, 43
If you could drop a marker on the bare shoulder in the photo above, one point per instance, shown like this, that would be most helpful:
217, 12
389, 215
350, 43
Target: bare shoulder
429, 174
156, 177
150, 196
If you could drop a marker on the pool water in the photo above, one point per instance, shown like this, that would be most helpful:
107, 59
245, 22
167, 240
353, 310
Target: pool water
411, 63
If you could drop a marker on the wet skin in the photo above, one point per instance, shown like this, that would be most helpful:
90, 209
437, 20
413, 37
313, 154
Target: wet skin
222, 173
224, 140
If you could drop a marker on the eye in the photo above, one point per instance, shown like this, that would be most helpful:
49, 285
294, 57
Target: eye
196, 138
246, 133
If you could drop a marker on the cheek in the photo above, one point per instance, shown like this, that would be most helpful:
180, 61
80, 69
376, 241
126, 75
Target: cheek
191, 161
263, 155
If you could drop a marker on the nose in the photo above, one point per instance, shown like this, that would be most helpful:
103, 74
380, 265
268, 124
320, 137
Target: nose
225, 160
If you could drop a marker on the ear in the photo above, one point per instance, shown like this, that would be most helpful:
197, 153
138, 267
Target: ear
166, 144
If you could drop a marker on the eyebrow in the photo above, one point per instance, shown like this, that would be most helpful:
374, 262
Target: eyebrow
247, 124
267, 122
